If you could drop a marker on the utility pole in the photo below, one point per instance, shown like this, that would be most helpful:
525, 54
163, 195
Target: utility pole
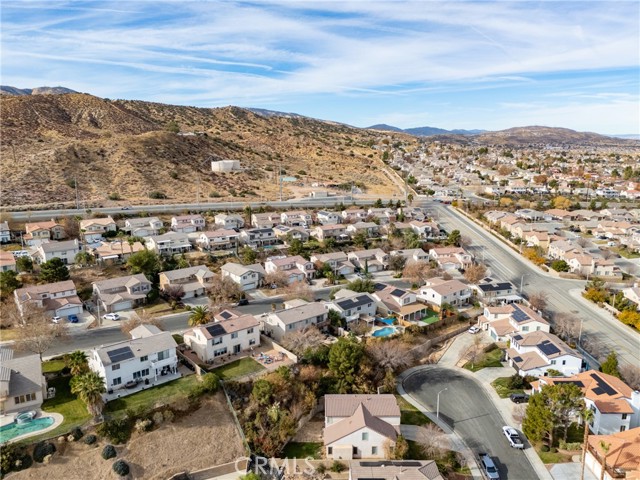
75, 184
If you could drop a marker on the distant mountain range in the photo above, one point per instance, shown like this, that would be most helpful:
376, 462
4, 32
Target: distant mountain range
424, 131
8, 90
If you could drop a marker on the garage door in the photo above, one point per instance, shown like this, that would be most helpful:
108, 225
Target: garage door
249, 286
121, 306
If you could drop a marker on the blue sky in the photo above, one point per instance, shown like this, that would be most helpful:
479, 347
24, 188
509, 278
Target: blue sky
490, 65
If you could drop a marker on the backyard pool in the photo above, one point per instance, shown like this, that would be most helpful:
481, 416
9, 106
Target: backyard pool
385, 332
388, 321
13, 430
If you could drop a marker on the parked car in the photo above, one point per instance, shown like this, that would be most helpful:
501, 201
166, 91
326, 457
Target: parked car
73, 319
56, 319
488, 467
111, 316
475, 329
512, 435
243, 301
519, 397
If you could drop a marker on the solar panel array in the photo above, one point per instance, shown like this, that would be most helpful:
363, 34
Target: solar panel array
225, 314
379, 286
548, 348
215, 330
398, 292
349, 303
603, 387
120, 354
518, 315
394, 463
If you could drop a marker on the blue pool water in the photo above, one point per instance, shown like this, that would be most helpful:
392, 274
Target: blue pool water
384, 332
14, 430
388, 321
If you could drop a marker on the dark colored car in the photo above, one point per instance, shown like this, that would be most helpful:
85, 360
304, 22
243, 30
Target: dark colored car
73, 318
243, 301
519, 397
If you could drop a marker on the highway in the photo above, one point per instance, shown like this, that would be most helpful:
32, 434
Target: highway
505, 264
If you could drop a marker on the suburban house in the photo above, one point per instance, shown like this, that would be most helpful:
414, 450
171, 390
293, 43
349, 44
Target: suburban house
218, 240
305, 314
615, 406
438, 292
353, 305
122, 293
224, 338
22, 385
286, 234
143, 226
194, 281
39, 231
248, 277
558, 249
537, 352
149, 358
633, 294
425, 229
384, 215
258, 237
92, 229
7, 261
414, 213
411, 255
451, 257
116, 251
265, 220
492, 292
502, 321
360, 426
298, 218
168, 243
187, 223
395, 470
354, 215
295, 268
65, 251
622, 457
5, 232
229, 221
374, 260
335, 231
370, 229
401, 303
327, 218
338, 261
58, 299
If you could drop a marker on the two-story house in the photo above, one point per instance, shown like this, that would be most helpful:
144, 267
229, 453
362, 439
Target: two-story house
370, 229
396, 470
338, 261
285, 234
229, 221
360, 426
295, 268
116, 251
616, 453
93, 229
384, 215
143, 226
373, 260
537, 352
122, 293
39, 231
491, 292
258, 237
298, 218
428, 230
451, 257
412, 255
7, 261
281, 322
336, 231
265, 220
353, 215
168, 243
65, 251
248, 277
194, 281
615, 406
325, 217
22, 385
187, 223
224, 338
58, 299
148, 359
438, 292
218, 240
5, 232
502, 321
401, 303
353, 305
413, 213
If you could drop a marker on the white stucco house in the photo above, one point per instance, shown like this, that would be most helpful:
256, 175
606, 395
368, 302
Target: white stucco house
304, 314
438, 291
353, 305
224, 338
58, 299
537, 352
22, 385
248, 277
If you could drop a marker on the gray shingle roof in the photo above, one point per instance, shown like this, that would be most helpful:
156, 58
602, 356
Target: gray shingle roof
140, 347
384, 405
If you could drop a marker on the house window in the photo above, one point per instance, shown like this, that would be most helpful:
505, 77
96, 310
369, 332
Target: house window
525, 329
329, 450
623, 428
29, 397
117, 381
252, 341
624, 416
553, 362
564, 362
115, 366
163, 355
234, 335
217, 340
250, 330
144, 358
365, 436
374, 450
221, 351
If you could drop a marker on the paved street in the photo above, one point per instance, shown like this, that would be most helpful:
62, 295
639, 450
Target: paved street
469, 411
508, 265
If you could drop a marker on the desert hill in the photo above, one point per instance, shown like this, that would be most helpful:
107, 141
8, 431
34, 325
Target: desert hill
536, 135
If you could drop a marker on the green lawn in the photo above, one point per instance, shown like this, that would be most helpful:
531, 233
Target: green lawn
147, 399
626, 253
53, 366
501, 387
431, 317
239, 368
489, 359
410, 415
549, 457
303, 450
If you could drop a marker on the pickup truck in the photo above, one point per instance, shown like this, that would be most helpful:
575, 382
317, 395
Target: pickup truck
487, 467
514, 438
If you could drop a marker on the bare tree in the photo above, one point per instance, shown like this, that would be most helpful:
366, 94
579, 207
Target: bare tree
71, 227
174, 293
299, 289
302, 340
582, 242
631, 375
567, 326
223, 290
137, 319
538, 300
37, 333
465, 241
392, 355
279, 279
433, 441
606, 254
420, 272
475, 351
475, 273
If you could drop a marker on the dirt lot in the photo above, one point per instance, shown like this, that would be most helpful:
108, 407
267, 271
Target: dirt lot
203, 439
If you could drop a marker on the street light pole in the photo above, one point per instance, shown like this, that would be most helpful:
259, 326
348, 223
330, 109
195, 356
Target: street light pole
580, 332
438, 402
522, 281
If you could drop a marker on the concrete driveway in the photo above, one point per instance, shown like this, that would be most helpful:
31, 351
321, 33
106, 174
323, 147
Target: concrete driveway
468, 410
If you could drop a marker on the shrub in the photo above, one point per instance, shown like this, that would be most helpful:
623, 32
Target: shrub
114, 196
109, 451
117, 431
143, 425
321, 469
77, 434
157, 195
553, 450
121, 468
8, 457
210, 382
90, 439
42, 449
338, 467
158, 418
544, 448
168, 415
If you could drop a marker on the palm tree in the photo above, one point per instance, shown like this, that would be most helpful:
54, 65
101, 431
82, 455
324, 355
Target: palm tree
89, 387
605, 448
199, 316
587, 416
76, 362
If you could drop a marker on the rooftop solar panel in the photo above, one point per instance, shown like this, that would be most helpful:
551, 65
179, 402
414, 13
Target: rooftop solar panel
379, 286
215, 330
120, 354
518, 315
226, 315
548, 348
398, 292
603, 387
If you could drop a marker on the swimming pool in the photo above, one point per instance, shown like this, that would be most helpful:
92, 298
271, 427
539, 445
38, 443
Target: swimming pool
13, 430
385, 332
388, 321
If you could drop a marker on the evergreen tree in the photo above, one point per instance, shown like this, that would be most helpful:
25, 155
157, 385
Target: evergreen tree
610, 365
54, 271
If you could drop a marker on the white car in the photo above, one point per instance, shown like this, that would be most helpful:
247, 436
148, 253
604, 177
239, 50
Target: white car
513, 436
56, 319
111, 316
474, 329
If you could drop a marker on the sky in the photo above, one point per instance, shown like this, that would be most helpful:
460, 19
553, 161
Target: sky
447, 64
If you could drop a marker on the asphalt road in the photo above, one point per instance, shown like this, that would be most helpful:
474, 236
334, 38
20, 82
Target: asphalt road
469, 411
505, 264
